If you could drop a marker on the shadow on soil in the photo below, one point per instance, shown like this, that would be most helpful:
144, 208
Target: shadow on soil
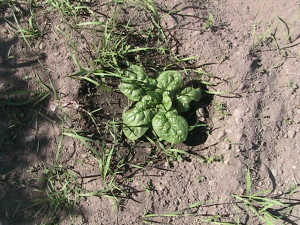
21, 145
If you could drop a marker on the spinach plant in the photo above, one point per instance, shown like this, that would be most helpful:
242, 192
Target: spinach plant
159, 103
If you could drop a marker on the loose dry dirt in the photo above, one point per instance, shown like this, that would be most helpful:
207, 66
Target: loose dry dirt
253, 54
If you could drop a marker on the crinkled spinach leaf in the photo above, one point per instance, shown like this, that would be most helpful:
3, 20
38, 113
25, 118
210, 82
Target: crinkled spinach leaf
149, 101
136, 82
169, 81
134, 133
138, 116
132, 90
169, 126
184, 98
167, 101
155, 95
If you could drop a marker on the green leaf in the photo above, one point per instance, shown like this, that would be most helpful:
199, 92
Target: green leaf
167, 102
169, 81
136, 82
138, 116
170, 126
132, 90
134, 133
155, 95
149, 101
138, 75
184, 98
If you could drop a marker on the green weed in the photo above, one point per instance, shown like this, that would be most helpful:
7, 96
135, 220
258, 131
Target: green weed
270, 210
211, 159
27, 28
293, 86
221, 110
152, 11
210, 21
63, 193
69, 8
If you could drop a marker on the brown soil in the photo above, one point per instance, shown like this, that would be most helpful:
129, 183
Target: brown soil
255, 57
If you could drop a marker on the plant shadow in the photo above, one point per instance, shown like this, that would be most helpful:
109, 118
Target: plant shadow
197, 115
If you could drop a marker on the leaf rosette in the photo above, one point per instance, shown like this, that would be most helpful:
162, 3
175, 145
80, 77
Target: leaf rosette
158, 104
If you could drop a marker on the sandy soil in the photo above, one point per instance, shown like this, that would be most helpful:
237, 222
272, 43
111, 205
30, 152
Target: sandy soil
255, 57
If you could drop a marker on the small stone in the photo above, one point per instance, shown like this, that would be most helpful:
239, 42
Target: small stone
239, 135
274, 172
221, 135
227, 146
291, 134
236, 148
277, 128
237, 115
148, 150
29, 138
294, 167
52, 107
296, 117
42, 46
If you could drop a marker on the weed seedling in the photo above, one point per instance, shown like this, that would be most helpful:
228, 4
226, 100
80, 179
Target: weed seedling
63, 192
293, 86
211, 159
221, 109
210, 21
268, 209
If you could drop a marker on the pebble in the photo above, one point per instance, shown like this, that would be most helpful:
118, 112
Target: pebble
296, 118
28, 139
238, 114
221, 135
42, 46
226, 162
227, 146
148, 151
274, 172
294, 167
291, 134
239, 135
52, 107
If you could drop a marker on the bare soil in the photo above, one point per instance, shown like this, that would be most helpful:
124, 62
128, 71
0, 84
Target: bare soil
253, 50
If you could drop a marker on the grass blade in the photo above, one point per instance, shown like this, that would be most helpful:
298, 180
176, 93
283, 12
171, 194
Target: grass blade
248, 182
